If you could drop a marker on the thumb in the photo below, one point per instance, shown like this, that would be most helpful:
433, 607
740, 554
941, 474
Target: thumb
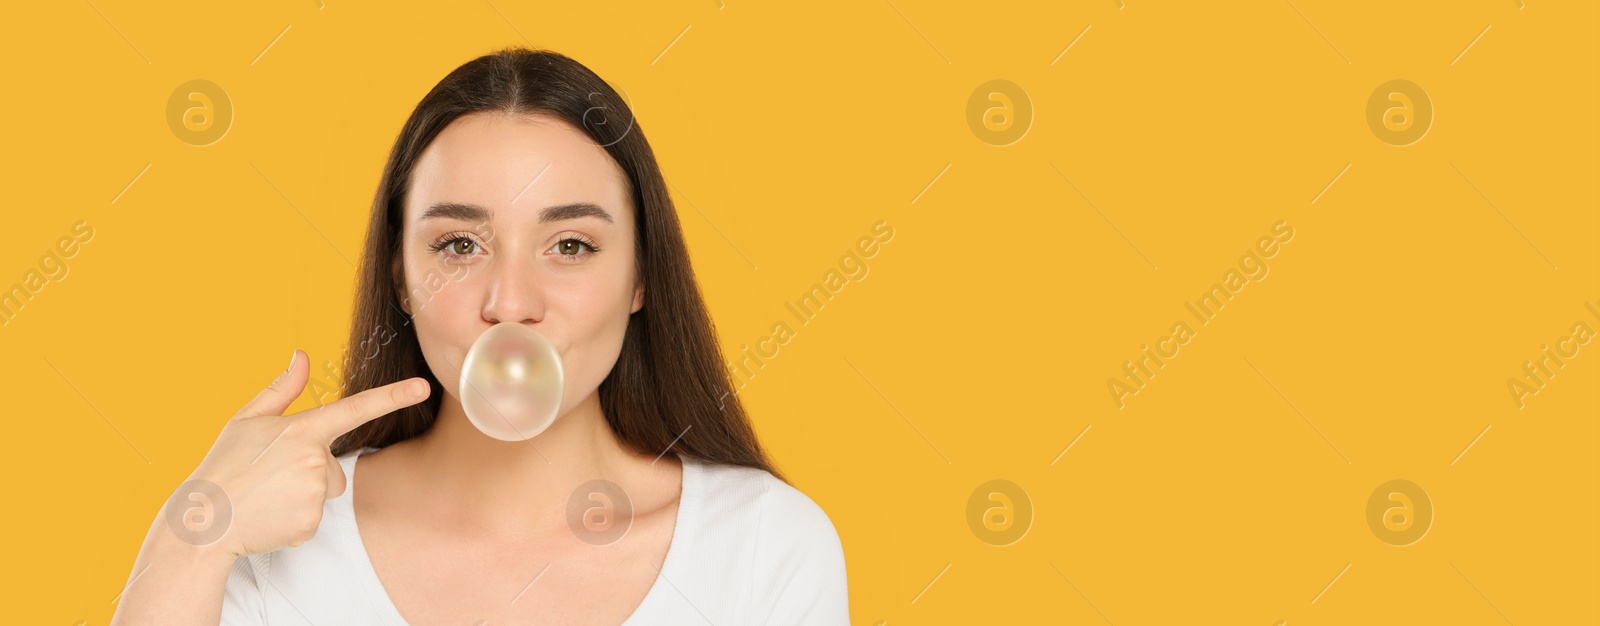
283, 390
336, 478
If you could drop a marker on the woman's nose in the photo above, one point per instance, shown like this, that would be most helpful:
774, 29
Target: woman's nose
514, 291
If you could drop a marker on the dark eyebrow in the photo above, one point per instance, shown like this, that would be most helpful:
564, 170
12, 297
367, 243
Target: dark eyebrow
475, 213
573, 211
456, 211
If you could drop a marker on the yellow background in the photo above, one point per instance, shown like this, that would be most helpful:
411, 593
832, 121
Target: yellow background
1232, 489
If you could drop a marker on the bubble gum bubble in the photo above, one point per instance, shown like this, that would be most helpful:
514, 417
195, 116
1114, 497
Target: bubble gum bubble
511, 382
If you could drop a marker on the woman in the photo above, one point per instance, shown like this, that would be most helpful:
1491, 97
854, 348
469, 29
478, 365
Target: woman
519, 191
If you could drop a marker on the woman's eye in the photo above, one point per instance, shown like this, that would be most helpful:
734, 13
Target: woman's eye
455, 247
571, 249
462, 246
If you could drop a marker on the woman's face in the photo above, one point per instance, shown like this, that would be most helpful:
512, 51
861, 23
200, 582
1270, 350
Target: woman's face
520, 219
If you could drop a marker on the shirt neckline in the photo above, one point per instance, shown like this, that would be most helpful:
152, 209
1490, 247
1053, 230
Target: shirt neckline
688, 501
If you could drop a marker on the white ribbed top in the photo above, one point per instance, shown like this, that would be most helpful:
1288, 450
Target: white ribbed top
747, 549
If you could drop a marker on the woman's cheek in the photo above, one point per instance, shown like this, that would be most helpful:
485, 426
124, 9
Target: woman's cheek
606, 349
587, 363
436, 353
439, 327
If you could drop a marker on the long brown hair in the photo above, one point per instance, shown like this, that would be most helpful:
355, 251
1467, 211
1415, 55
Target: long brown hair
670, 385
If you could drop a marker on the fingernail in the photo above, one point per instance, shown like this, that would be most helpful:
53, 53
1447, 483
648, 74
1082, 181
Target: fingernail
418, 388
293, 354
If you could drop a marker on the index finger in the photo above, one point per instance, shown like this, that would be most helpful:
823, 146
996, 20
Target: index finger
345, 414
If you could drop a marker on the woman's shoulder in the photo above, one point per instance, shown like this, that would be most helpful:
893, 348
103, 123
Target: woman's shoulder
774, 539
734, 498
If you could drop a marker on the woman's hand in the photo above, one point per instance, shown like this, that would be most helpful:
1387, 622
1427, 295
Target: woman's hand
260, 488
263, 483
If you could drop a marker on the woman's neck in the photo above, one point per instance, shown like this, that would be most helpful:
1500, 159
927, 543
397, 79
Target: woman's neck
510, 486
